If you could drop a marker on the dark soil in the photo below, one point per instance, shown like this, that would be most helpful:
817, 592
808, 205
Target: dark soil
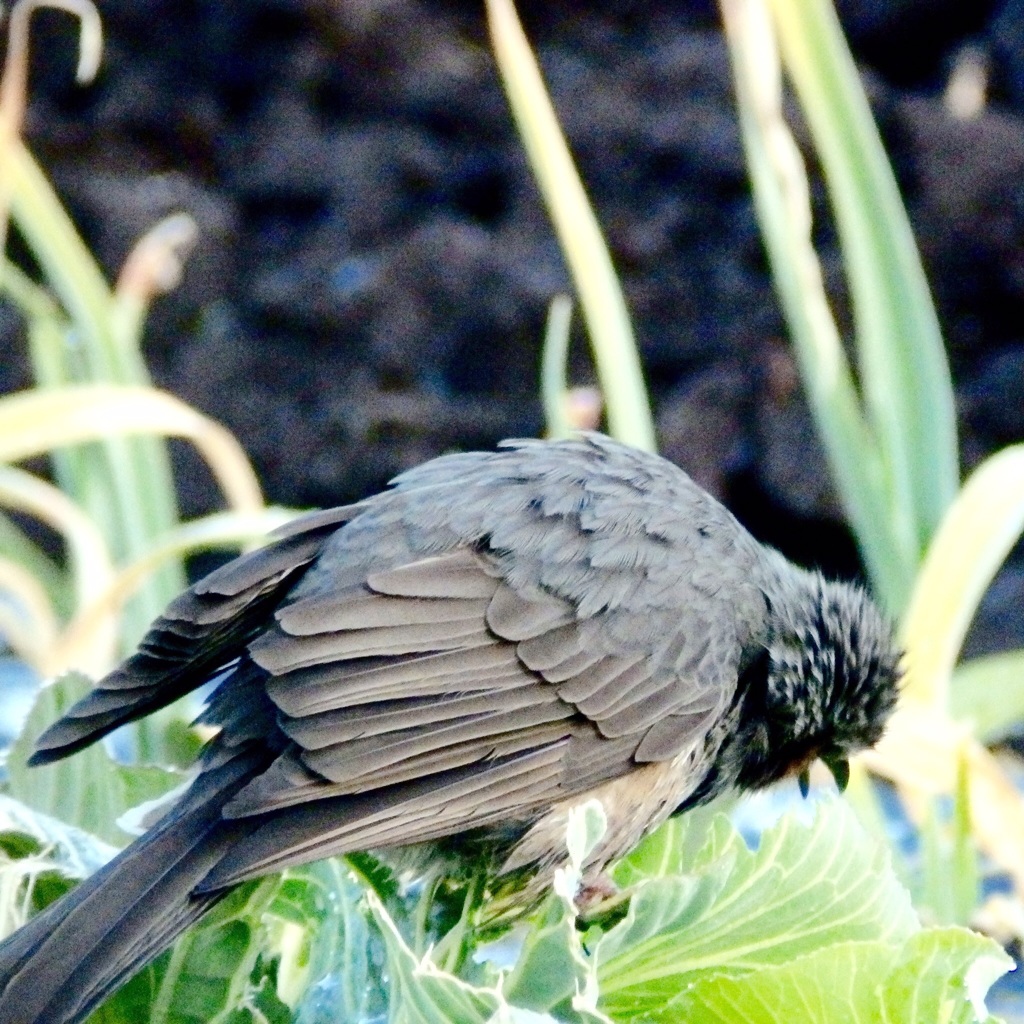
375, 264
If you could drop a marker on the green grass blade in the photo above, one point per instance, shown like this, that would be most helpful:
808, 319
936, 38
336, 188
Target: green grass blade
781, 197
584, 247
136, 471
904, 374
975, 537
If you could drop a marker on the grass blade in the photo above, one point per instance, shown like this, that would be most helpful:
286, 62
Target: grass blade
781, 196
584, 247
974, 538
904, 373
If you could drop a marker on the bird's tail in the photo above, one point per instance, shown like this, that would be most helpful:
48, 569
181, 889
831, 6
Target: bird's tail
65, 961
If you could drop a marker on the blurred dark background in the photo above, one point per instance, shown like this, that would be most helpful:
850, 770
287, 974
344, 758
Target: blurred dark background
375, 264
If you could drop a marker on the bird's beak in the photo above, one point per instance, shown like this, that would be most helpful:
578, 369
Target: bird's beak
837, 765
840, 769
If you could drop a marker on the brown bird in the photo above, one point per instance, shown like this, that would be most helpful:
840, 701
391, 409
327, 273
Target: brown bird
495, 638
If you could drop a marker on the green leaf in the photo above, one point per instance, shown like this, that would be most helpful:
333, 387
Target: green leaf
656, 857
89, 789
670, 848
552, 966
420, 992
944, 974
587, 824
125, 483
376, 874
334, 973
904, 375
741, 910
782, 200
18, 547
40, 860
24, 831
928, 979
553, 970
978, 532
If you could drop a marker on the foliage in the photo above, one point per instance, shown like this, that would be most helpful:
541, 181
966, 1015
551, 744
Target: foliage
734, 934
96, 414
890, 435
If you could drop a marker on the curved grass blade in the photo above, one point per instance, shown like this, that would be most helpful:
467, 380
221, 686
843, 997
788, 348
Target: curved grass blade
584, 248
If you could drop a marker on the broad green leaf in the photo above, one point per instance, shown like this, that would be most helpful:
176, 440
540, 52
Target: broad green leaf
834, 985
740, 909
420, 992
935, 977
552, 965
88, 789
943, 974
553, 970
657, 856
340, 979
670, 848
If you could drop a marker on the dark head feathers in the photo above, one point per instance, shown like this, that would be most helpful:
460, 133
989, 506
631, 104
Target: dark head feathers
824, 684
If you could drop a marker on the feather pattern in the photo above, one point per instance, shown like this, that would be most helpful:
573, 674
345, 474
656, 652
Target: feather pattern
489, 608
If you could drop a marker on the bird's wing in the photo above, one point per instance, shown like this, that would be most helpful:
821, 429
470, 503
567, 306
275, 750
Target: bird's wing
433, 698
202, 630
496, 634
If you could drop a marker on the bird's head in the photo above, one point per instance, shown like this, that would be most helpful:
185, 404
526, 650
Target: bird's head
822, 686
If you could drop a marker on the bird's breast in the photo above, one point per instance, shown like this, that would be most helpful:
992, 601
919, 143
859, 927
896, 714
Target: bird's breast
634, 804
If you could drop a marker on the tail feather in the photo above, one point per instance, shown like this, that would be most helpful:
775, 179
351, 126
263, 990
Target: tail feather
66, 961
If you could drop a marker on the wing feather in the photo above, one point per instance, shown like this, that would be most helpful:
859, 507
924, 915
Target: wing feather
601, 675
456, 575
512, 618
202, 630
428, 807
366, 610
336, 685
396, 715
619, 689
360, 757
277, 651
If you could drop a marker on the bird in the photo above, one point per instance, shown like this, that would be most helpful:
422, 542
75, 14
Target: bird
491, 640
